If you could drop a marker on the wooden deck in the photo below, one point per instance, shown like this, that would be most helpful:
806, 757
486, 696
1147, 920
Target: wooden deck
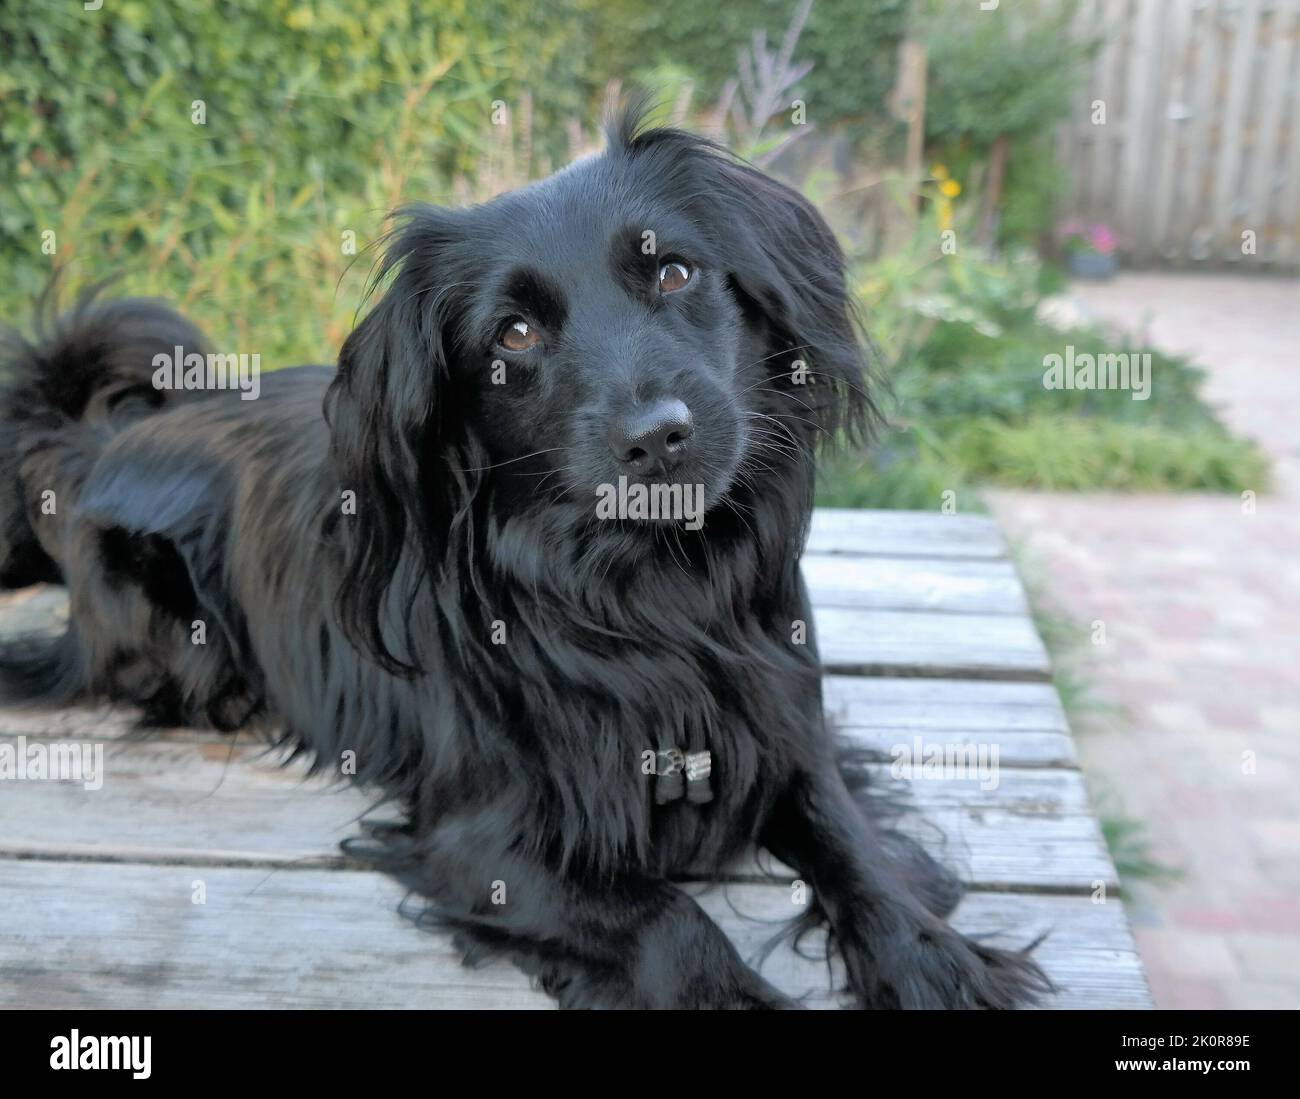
925, 631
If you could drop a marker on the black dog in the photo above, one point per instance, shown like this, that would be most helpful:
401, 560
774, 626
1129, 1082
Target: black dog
573, 704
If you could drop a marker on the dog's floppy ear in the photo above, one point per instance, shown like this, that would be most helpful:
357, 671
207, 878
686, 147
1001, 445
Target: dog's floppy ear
786, 264
386, 409
783, 263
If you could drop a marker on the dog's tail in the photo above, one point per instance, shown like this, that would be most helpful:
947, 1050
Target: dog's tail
65, 390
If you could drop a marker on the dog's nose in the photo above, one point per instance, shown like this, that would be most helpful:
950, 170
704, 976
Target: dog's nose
651, 437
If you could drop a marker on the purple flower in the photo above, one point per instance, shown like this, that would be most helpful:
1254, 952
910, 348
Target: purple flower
1076, 236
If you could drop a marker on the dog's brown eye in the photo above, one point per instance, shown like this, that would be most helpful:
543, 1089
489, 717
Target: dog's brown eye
673, 275
519, 335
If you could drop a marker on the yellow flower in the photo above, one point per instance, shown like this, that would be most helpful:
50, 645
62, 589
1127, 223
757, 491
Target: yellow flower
950, 188
943, 215
939, 172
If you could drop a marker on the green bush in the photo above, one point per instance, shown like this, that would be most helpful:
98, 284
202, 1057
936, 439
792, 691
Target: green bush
1006, 72
853, 45
1013, 74
319, 117
1056, 451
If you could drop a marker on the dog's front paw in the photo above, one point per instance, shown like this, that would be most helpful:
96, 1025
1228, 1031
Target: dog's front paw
590, 986
932, 966
749, 993
716, 981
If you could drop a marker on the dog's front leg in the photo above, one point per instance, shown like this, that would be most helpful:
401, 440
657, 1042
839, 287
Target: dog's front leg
897, 953
592, 940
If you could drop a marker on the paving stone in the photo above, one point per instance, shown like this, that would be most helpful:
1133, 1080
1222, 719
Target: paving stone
1194, 954
1267, 956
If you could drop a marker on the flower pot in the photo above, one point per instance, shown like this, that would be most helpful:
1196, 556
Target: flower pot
1091, 265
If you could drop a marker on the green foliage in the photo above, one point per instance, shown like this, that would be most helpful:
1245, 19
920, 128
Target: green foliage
1011, 73
852, 44
1056, 451
911, 471
963, 352
993, 73
1032, 191
320, 117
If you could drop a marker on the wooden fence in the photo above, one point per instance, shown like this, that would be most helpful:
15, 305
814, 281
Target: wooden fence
1187, 136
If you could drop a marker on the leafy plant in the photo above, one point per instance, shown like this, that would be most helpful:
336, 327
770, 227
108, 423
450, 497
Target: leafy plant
852, 46
964, 356
1009, 71
761, 89
999, 83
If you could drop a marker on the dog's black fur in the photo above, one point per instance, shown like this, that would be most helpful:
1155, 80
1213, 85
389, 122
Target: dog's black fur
374, 630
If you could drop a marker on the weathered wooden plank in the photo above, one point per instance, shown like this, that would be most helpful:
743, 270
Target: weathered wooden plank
890, 583
1024, 719
167, 801
1025, 834
947, 703
1027, 749
974, 646
1033, 830
42, 608
852, 531
856, 700
90, 935
903, 534
99, 721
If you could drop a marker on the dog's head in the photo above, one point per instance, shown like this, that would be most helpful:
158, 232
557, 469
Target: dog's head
658, 315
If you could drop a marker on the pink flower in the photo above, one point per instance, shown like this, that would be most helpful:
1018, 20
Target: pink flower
1102, 239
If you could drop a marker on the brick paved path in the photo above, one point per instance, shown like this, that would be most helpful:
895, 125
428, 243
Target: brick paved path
1201, 609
